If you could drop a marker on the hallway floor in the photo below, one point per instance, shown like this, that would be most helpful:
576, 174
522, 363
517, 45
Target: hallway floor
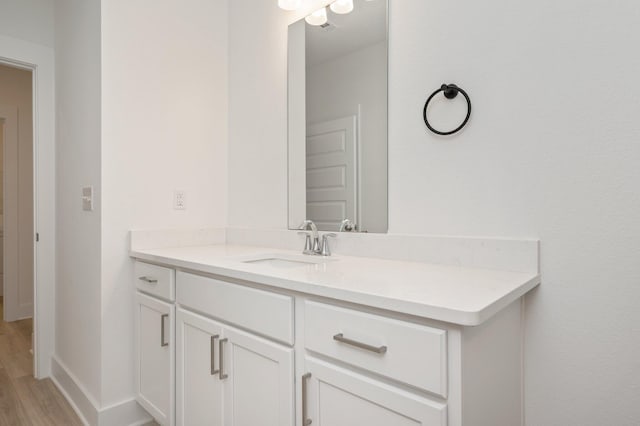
25, 401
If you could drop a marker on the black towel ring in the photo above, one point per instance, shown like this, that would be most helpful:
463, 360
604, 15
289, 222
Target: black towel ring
450, 92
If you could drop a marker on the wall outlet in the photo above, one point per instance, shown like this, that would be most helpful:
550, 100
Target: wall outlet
179, 200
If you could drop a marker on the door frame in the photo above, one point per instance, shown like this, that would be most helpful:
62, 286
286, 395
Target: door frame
40, 61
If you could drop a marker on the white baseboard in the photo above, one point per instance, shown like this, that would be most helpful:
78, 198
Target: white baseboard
83, 404
123, 413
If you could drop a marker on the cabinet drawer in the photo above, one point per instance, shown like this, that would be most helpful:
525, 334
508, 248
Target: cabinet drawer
155, 280
263, 312
410, 353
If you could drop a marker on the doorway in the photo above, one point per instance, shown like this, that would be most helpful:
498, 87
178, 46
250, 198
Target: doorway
39, 60
17, 209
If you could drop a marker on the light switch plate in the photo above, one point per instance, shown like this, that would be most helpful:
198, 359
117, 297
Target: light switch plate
179, 200
87, 198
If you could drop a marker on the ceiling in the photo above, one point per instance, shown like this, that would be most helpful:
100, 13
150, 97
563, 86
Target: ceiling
364, 26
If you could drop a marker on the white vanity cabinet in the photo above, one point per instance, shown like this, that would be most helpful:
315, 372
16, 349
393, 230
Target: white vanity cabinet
248, 354
154, 331
227, 376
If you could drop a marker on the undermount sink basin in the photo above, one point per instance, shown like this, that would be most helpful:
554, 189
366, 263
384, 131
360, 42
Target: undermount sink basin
286, 261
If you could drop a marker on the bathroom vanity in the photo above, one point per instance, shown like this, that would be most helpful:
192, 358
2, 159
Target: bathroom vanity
232, 334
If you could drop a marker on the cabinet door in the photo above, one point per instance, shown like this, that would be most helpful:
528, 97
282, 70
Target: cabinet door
259, 383
154, 321
335, 396
199, 397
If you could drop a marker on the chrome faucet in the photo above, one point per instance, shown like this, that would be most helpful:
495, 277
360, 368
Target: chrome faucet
311, 247
314, 246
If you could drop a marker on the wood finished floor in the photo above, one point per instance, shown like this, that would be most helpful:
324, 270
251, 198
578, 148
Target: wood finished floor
25, 401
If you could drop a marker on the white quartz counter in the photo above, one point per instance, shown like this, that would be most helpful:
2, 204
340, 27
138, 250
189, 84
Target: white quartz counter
460, 295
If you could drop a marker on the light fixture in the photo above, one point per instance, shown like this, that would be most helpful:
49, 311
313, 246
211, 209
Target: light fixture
319, 17
289, 4
342, 6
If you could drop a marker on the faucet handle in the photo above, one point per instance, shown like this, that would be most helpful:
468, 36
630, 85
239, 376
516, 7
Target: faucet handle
326, 251
347, 225
308, 224
308, 245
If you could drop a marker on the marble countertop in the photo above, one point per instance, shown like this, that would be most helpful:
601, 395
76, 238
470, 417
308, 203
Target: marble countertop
460, 295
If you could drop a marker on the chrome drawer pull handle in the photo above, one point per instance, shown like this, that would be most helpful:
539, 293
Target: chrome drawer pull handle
305, 421
163, 317
148, 280
377, 349
222, 375
213, 355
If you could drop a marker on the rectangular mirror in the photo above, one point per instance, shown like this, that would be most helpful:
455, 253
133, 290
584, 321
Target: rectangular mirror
337, 95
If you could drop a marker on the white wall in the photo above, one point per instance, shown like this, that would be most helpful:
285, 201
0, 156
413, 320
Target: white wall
78, 248
336, 89
16, 91
142, 111
257, 161
551, 152
257, 114
164, 127
29, 20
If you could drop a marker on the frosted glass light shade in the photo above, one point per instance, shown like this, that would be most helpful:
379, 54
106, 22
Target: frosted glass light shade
342, 6
318, 17
289, 4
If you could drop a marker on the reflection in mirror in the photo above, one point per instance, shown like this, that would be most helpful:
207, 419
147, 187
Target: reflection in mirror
338, 120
